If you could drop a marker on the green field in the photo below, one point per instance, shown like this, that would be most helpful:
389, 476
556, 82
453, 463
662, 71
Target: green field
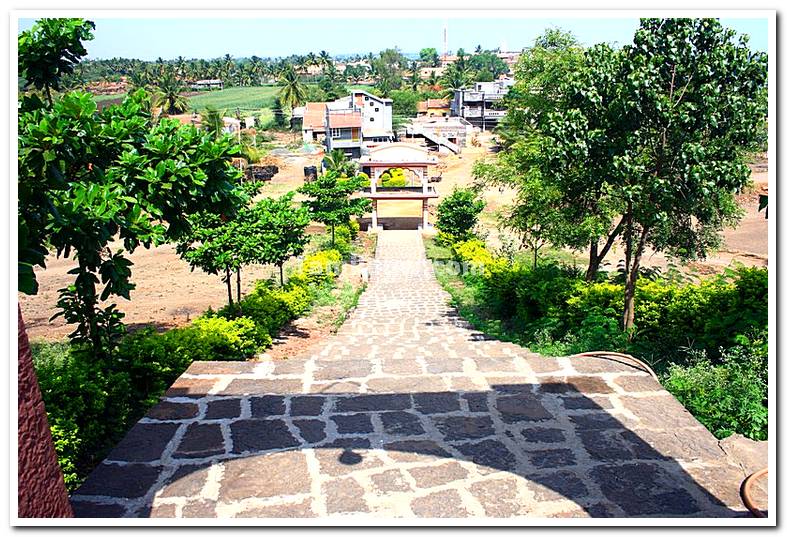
102, 98
250, 99
246, 99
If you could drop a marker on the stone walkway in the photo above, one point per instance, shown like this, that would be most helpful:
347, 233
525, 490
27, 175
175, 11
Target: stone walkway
408, 412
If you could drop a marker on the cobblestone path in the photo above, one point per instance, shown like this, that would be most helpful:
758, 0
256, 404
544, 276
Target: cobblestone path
408, 412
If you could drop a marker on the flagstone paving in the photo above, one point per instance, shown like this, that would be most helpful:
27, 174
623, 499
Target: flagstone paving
409, 412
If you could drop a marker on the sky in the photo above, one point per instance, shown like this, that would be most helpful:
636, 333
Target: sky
150, 38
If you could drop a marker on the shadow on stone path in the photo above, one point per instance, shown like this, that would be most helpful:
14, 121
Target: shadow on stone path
408, 412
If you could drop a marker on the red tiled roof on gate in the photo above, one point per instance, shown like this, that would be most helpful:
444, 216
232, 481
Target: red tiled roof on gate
314, 117
345, 120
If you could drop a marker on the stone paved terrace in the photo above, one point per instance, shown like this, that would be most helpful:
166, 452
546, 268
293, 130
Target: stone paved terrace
408, 412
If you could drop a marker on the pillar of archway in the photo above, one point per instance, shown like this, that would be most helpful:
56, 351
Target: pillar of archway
374, 215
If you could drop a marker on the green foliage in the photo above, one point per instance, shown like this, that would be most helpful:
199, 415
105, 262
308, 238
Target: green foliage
394, 178
636, 134
50, 50
228, 339
212, 121
167, 94
728, 397
292, 92
551, 309
405, 102
487, 66
457, 214
283, 230
337, 161
319, 268
330, 200
429, 57
85, 178
85, 401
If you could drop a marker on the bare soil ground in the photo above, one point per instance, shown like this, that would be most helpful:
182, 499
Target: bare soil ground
169, 294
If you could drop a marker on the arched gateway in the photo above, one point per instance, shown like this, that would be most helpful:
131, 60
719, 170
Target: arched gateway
413, 158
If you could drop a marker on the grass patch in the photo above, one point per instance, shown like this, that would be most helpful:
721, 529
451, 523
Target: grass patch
246, 98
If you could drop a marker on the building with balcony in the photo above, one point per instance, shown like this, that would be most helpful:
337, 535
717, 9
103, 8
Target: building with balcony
482, 105
350, 123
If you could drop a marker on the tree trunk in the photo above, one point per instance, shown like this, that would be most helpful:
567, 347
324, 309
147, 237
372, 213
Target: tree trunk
281, 273
237, 285
333, 235
593, 263
228, 279
597, 257
632, 274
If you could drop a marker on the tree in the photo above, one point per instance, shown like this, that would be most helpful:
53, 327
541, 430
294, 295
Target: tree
50, 50
575, 212
167, 94
646, 144
429, 57
86, 178
405, 103
283, 230
457, 214
331, 202
454, 78
338, 162
486, 66
693, 92
388, 68
212, 121
292, 92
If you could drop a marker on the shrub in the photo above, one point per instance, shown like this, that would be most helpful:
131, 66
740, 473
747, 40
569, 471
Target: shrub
730, 397
457, 214
318, 268
89, 406
228, 339
394, 177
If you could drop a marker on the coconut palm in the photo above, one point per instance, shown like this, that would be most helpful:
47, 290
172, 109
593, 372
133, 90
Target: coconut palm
292, 92
325, 60
454, 78
168, 96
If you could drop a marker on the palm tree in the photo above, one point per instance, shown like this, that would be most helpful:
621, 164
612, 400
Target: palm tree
292, 92
337, 161
454, 78
168, 94
325, 60
212, 121
415, 77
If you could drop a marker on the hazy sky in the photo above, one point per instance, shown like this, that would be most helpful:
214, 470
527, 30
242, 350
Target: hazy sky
149, 38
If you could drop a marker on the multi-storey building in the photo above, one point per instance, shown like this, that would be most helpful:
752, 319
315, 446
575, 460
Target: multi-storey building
350, 123
482, 105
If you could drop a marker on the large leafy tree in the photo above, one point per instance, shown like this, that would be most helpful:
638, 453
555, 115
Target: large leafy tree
572, 211
429, 57
388, 67
656, 135
50, 50
331, 199
487, 66
87, 179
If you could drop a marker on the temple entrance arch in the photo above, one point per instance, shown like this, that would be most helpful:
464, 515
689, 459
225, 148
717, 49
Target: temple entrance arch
414, 160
